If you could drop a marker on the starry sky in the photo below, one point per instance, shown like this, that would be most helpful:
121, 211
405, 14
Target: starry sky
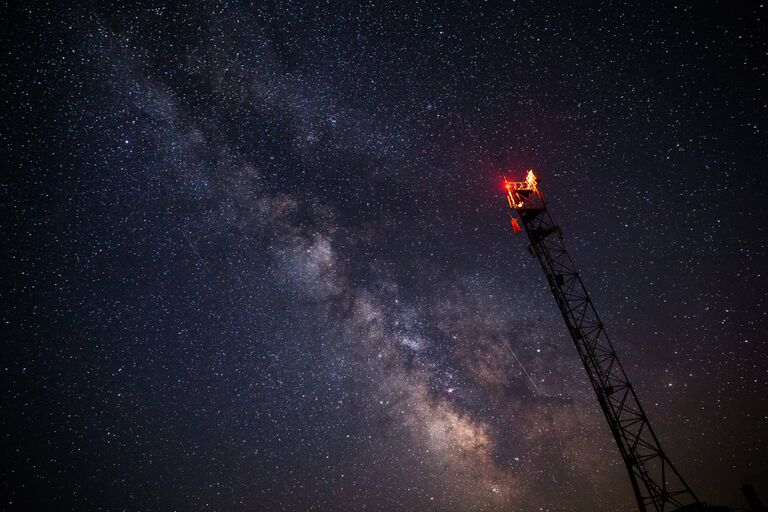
258, 256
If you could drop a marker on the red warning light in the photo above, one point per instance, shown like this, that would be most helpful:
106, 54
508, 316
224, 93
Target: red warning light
519, 191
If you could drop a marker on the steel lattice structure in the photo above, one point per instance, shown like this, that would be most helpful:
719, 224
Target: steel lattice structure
657, 485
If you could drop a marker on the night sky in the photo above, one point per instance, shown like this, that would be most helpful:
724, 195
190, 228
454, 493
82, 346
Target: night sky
258, 256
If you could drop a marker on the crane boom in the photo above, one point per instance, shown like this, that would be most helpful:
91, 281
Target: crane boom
657, 485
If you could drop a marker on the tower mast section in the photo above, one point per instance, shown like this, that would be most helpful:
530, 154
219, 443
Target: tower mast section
657, 484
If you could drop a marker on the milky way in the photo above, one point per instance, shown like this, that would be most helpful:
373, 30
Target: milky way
260, 259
